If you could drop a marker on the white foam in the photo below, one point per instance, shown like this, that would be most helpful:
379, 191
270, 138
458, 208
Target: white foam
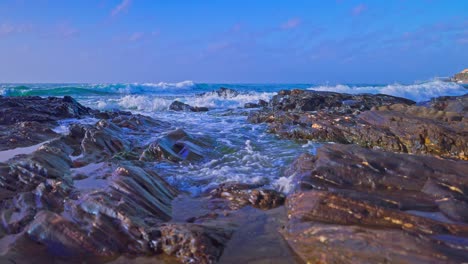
215, 101
135, 102
417, 92
165, 85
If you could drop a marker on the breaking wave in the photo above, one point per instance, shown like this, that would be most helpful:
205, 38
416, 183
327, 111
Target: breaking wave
417, 92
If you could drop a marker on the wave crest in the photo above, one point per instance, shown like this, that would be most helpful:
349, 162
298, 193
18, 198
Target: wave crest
417, 92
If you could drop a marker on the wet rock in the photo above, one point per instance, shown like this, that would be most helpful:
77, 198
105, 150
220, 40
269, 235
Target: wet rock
240, 195
34, 108
179, 106
192, 243
25, 134
315, 242
394, 204
251, 105
65, 238
176, 146
410, 182
398, 127
458, 104
260, 103
222, 92
97, 143
305, 100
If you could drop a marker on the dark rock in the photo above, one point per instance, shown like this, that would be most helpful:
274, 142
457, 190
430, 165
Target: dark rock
305, 100
179, 106
401, 179
240, 195
192, 243
25, 134
348, 196
33, 108
458, 104
397, 127
262, 103
176, 146
251, 105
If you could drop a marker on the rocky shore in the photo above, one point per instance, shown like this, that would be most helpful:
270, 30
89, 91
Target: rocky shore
392, 187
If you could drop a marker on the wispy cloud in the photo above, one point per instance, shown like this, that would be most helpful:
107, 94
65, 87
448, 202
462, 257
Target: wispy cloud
66, 31
136, 36
359, 9
124, 5
291, 23
10, 29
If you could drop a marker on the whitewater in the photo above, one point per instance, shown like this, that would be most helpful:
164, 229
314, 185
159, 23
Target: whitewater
243, 152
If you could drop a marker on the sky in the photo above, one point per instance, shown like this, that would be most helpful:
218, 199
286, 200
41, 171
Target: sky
238, 41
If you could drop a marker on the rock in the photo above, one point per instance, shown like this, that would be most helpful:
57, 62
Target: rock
402, 181
175, 146
261, 103
457, 104
251, 105
240, 195
315, 242
24, 134
305, 100
34, 108
355, 205
222, 92
398, 127
192, 243
461, 77
179, 106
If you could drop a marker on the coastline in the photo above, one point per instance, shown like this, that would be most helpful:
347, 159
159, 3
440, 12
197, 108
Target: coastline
392, 161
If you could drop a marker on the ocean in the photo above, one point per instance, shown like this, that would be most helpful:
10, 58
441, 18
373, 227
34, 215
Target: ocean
243, 152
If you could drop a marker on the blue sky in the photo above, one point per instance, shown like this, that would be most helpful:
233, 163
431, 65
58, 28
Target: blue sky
241, 41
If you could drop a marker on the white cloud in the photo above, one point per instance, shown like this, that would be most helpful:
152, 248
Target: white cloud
9, 29
136, 36
124, 5
291, 23
359, 9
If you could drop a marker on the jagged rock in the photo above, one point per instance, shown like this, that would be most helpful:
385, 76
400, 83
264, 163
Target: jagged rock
461, 77
407, 181
240, 195
355, 205
25, 134
261, 103
175, 146
305, 100
458, 104
251, 105
192, 243
179, 106
397, 127
34, 108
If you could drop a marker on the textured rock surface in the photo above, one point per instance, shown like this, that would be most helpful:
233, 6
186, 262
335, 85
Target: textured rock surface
179, 106
404, 208
18, 109
84, 196
176, 146
389, 125
240, 195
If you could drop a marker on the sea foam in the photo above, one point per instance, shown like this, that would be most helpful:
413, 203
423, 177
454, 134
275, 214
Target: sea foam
417, 92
